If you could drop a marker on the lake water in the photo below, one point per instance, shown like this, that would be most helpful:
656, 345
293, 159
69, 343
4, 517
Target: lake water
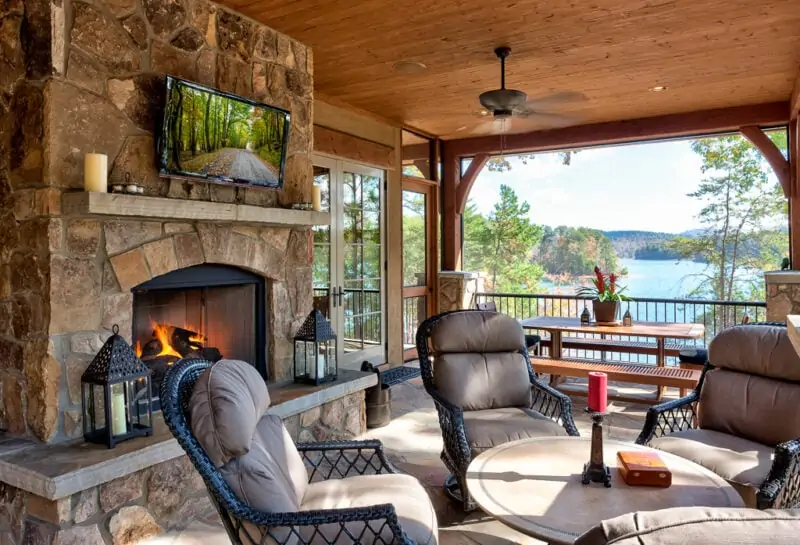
657, 279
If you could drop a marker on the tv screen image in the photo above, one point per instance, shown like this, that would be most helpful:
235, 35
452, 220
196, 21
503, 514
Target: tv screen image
220, 137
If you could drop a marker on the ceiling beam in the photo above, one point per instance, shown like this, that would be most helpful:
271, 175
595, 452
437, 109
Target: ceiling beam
633, 130
773, 156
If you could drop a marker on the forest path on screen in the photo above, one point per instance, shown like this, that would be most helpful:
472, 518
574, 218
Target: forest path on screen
243, 165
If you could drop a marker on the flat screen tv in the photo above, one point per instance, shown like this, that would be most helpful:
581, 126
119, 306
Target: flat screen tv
218, 137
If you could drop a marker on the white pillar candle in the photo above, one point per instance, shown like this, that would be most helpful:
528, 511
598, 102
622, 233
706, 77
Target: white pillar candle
316, 197
119, 425
95, 172
320, 366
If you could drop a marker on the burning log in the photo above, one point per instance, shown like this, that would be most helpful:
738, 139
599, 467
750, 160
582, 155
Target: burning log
211, 354
183, 340
151, 350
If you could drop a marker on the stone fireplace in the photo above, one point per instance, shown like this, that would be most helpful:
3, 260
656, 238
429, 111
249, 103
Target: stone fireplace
231, 265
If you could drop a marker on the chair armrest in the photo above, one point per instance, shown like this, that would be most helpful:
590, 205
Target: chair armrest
303, 526
454, 435
669, 417
340, 459
554, 405
781, 490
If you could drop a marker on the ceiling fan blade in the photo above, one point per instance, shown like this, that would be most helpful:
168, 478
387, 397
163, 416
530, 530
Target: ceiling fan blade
555, 99
545, 120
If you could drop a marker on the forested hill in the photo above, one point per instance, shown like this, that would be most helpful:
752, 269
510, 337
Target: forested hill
640, 244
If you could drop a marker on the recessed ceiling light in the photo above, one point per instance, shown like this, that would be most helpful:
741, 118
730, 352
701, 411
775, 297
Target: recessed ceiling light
408, 67
658, 88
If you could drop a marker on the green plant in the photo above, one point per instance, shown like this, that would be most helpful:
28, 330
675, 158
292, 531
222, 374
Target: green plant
603, 290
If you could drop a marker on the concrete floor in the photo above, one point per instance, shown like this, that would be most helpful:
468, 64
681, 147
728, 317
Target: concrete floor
413, 442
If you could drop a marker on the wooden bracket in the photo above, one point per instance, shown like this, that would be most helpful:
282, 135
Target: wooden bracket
468, 178
772, 154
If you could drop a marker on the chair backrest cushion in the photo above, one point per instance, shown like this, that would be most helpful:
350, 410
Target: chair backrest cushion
698, 526
761, 409
477, 363
253, 451
756, 350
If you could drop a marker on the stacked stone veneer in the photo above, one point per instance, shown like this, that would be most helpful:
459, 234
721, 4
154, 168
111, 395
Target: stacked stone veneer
83, 76
458, 290
783, 294
148, 503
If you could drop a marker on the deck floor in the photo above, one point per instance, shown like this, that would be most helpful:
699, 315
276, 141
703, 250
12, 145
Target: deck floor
413, 442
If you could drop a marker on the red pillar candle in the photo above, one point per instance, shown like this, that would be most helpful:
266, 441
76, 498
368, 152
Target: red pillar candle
598, 392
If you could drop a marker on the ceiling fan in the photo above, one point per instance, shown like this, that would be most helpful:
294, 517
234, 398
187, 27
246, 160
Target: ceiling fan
505, 105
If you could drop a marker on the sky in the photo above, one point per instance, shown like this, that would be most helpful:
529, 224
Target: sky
631, 187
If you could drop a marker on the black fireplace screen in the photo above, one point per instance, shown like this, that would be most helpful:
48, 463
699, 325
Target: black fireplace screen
206, 311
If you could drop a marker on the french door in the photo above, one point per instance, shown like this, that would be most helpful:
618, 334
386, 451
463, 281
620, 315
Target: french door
349, 257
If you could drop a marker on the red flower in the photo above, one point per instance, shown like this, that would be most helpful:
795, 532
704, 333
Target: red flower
601, 282
612, 282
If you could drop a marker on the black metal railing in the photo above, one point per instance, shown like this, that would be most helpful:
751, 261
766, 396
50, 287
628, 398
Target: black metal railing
362, 315
714, 315
414, 313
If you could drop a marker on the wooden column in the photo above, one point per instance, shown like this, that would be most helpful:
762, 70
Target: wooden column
772, 154
794, 198
451, 219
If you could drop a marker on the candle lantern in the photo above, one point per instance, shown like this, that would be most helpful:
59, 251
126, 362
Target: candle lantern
315, 351
116, 395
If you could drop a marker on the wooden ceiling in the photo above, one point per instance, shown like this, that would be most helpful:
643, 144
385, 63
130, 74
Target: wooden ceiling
708, 53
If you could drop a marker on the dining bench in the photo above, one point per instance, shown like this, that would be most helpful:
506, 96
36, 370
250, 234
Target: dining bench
613, 345
635, 373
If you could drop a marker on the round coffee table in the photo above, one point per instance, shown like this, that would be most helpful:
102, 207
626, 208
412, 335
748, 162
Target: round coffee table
534, 486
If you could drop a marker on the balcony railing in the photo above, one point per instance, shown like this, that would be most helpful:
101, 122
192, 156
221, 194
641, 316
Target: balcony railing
714, 315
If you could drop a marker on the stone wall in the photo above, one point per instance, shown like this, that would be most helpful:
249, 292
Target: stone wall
168, 496
783, 294
82, 76
457, 290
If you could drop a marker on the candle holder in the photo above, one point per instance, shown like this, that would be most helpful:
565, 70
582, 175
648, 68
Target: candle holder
596, 471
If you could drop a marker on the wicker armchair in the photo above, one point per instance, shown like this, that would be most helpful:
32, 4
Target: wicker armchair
748, 430
317, 521
475, 366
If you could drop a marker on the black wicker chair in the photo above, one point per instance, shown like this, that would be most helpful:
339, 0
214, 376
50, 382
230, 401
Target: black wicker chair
543, 401
247, 526
781, 487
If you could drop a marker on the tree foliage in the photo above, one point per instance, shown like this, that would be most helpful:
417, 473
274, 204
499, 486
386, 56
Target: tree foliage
576, 251
742, 208
501, 244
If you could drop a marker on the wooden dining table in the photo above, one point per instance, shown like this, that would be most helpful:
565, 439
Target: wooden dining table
660, 331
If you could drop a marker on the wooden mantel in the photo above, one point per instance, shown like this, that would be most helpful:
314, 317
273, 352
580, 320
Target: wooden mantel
122, 205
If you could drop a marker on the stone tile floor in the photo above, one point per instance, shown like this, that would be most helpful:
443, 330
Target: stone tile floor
413, 442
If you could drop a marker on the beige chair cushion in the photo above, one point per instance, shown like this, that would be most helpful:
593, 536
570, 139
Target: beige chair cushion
477, 331
271, 477
698, 526
487, 429
758, 350
757, 408
744, 464
412, 505
254, 452
476, 382
226, 404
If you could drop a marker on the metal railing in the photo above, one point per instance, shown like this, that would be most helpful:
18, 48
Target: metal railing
714, 315
362, 315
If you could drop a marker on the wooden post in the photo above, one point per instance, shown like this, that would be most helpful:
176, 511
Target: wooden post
451, 219
794, 197
772, 154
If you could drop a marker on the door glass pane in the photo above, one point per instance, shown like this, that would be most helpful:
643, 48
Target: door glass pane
363, 264
416, 156
322, 247
414, 239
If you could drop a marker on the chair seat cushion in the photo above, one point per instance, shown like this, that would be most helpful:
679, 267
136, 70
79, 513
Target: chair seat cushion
744, 464
490, 428
411, 502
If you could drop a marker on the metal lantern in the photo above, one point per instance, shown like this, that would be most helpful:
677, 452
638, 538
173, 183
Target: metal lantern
116, 394
315, 351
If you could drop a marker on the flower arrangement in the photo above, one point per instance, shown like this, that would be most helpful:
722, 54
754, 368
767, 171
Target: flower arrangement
604, 288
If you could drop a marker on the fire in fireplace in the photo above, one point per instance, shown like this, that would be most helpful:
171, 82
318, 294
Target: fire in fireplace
205, 311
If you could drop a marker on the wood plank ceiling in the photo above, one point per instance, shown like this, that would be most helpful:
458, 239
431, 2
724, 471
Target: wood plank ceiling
708, 53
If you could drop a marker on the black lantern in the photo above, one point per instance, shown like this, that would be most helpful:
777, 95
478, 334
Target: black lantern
116, 394
315, 351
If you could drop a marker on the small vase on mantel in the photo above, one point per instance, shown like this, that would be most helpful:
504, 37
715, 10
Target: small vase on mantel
605, 311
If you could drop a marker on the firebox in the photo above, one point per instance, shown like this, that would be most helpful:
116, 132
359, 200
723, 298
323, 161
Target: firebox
205, 311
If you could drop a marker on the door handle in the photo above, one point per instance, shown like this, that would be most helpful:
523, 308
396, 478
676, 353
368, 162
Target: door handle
333, 296
341, 296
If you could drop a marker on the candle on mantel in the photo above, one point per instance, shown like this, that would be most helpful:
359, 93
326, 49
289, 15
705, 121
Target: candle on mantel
598, 392
316, 197
119, 424
95, 172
